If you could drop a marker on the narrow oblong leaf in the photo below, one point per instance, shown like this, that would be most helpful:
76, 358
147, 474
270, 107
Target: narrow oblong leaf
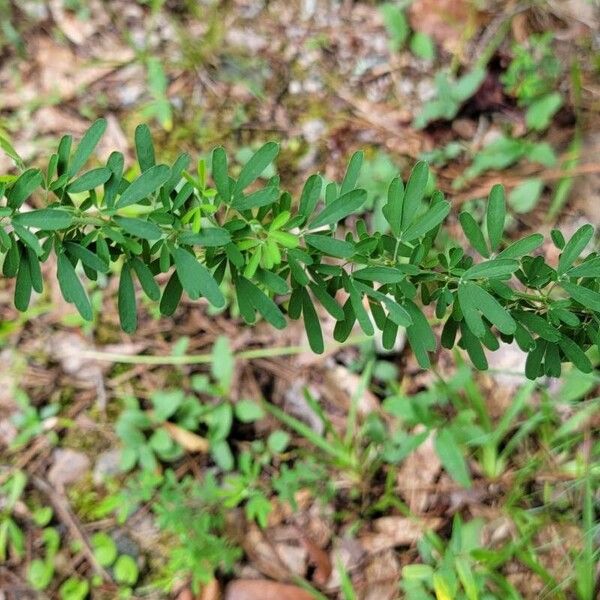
311, 193
139, 228
380, 274
415, 190
126, 301
171, 296
496, 216
574, 247
522, 247
208, 237
256, 165
473, 233
491, 309
27, 238
86, 256
589, 268
328, 302
330, 246
89, 180
147, 183
146, 279
48, 219
262, 303
220, 174
583, 295
575, 354
352, 172
23, 286
312, 324
71, 287
263, 197
392, 211
340, 208
144, 148
86, 146
116, 164
492, 269
196, 279
425, 223
23, 187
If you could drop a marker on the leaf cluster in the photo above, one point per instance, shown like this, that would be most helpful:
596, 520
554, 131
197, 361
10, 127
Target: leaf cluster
282, 257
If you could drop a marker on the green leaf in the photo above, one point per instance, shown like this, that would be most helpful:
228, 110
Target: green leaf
422, 46
538, 325
171, 296
420, 335
208, 237
126, 301
312, 324
574, 247
496, 216
248, 411
147, 183
451, 457
575, 354
11, 152
105, 549
11, 261
115, 163
525, 196
86, 256
583, 295
492, 269
540, 111
588, 268
48, 219
144, 147
220, 174
71, 287
340, 208
35, 272
473, 233
139, 228
86, 146
474, 298
396, 25
522, 247
146, 278
328, 303
310, 195
90, 180
264, 197
392, 211
256, 165
424, 224
352, 173
330, 246
23, 286
126, 570
23, 187
196, 279
278, 441
415, 190
262, 303
380, 274
27, 238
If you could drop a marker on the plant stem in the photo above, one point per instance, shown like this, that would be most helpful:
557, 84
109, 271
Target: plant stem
198, 359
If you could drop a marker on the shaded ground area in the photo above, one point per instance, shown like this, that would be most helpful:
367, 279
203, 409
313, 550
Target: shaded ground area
125, 475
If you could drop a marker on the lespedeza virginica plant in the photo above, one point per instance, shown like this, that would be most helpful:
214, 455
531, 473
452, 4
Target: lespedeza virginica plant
282, 256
